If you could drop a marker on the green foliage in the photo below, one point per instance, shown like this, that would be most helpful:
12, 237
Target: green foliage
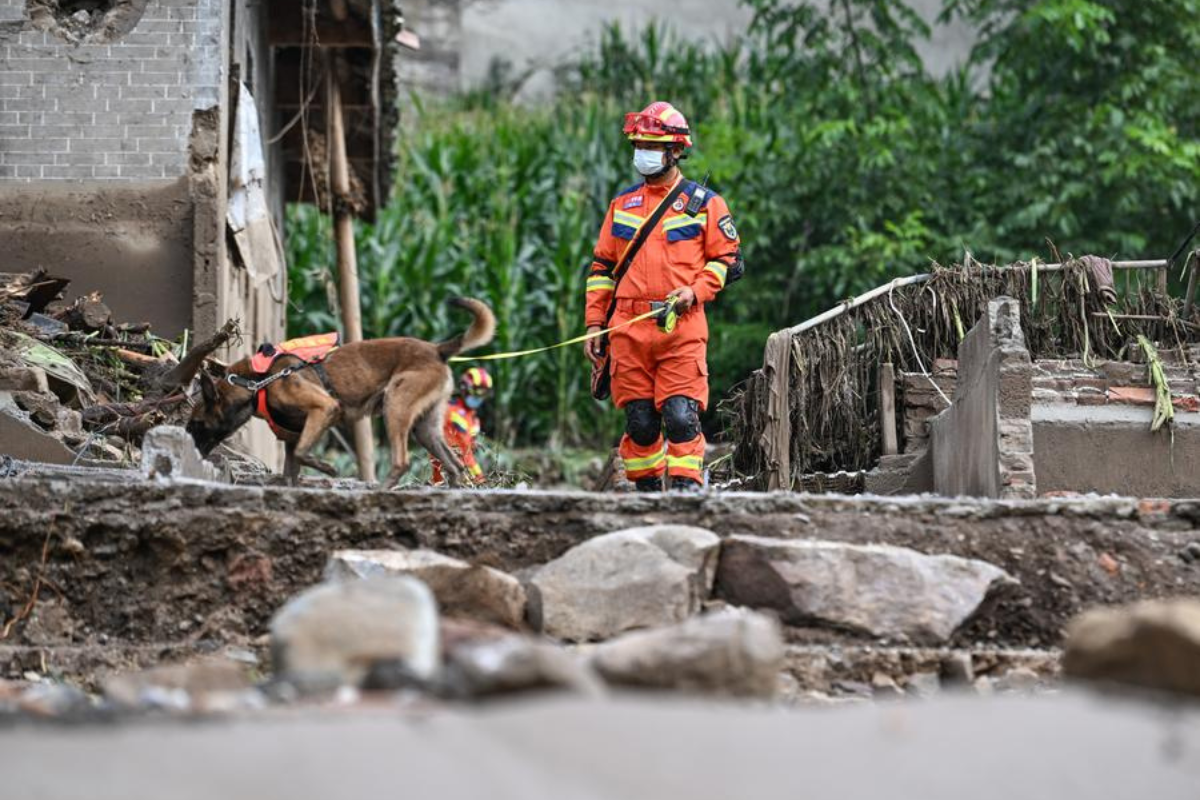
844, 162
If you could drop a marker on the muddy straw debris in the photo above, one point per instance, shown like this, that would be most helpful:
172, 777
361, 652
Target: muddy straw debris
1066, 313
95, 384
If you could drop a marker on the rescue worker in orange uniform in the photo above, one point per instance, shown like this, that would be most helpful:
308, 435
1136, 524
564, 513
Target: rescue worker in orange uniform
462, 421
661, 379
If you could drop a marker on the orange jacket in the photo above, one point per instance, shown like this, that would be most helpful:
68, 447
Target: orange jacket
462, 428
681, 251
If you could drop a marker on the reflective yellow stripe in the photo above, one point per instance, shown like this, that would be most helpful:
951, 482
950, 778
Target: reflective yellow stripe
686, 462
718, 269
600, 283
674, 223
649, 462
475, 469
625, 218
460, 421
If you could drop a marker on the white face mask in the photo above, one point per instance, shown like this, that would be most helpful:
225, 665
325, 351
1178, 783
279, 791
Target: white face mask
648, 162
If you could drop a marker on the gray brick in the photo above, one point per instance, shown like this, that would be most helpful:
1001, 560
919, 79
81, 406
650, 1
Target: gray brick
8, 172
9, 118
29, 172
39, 66
178, 110
154, 79
63, 79
23, 104
110, 77
132, 159
96, 145
134, 53
160, 145
33, 145
10, 92
150, 131
71, 118
75, 159
106, 172
14, 131
142, 172
81, 172
181, 40
24, 159
146, 39
30, 117
15, 78
159, 26
75, 132
143, 92
65, 95
128, 106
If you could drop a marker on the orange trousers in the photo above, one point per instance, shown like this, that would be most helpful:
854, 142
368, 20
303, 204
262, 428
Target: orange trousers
648, 364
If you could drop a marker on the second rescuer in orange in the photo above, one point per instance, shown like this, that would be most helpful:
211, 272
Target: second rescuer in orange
660, 378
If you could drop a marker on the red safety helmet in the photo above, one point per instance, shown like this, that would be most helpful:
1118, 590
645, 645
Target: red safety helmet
476, 381
658, 122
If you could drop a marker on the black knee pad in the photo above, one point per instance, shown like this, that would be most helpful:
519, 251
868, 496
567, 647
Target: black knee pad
682, 415
642, 422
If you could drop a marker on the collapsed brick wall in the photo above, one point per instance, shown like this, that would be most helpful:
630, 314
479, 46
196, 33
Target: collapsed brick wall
116, 111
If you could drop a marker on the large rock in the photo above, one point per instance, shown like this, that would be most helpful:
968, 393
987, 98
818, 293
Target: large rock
334, 634
733, 652
168, 452
460, 588
883, 591
1155, 644
636, 578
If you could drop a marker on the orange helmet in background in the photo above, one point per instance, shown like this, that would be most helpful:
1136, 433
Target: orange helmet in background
476, 381
658, 122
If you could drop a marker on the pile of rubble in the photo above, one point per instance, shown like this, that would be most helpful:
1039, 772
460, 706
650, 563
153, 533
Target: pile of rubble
664, 608
78, 387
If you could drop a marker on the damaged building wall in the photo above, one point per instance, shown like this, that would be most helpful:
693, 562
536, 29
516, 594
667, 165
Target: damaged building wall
983, 444
114, 157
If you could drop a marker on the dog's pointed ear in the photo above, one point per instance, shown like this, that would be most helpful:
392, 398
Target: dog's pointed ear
208, 389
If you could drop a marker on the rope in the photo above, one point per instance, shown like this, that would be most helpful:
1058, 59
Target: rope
567, 343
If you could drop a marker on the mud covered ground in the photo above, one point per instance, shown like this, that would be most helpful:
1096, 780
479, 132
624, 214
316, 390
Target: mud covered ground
150, 569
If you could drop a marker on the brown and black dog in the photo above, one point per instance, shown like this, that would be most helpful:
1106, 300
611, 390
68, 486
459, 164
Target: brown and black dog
405, 380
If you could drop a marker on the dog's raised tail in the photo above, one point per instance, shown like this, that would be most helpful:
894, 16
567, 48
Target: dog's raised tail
482, 329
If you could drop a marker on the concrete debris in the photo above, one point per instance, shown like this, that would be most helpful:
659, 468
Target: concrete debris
210, 685
733, 652
638, 578
460, 588
1154, 644
515, 664
169, 453
332, 634
52, 700
884, 591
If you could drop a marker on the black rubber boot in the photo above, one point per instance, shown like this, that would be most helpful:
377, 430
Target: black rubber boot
649, 484
686, 486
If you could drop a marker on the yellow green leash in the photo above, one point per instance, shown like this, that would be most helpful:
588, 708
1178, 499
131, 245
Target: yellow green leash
656, 312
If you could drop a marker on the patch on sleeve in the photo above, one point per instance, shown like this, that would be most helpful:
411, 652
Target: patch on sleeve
633, 202
726, 226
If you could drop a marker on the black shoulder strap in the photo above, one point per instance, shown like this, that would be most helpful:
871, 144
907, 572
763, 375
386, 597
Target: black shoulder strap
638, 240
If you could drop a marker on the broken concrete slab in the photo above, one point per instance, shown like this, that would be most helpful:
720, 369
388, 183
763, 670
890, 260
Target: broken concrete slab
1154, 645
169, 453
23, 379
461, 588
879, 590
333, 634
731, 652
621, 581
